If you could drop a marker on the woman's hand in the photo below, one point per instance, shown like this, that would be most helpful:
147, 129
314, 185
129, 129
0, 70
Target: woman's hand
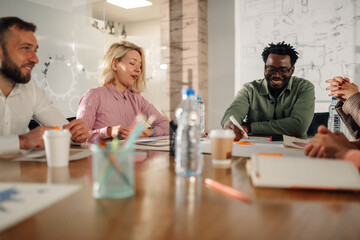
147, 132
341, 88
119, 131
326, 144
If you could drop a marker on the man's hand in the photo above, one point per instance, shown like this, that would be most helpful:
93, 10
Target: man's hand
326, 144
238, 133
78, 129
33, 140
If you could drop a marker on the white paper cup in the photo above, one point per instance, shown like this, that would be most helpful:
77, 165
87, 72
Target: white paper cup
221, 146
57, 147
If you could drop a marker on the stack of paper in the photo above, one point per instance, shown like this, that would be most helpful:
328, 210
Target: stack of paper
154, 141
292, 172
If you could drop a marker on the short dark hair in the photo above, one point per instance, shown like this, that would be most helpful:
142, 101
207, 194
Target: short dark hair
281, 48
7, 22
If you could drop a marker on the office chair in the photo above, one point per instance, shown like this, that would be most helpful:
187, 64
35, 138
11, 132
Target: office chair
320, 118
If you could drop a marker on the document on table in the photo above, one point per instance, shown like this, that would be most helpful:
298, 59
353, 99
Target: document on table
307, 173
21, 200
294, 142
154, 141
259, 145
161, 143
40, 156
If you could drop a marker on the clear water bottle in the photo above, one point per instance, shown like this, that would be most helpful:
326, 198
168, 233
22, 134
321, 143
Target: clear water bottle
200, 104
188, 159
334, 118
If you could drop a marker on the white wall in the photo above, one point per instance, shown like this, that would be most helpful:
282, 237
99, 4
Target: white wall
221, 55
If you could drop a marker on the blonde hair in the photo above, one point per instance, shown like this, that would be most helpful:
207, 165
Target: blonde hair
117, 51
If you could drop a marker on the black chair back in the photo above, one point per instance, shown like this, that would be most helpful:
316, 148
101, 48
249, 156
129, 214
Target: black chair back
320, 118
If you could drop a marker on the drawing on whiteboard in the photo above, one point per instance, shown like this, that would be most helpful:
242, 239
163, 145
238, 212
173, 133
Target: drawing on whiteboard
58, 77
322, 32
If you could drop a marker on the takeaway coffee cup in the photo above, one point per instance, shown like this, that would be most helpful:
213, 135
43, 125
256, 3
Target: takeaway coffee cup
57, 147
221, 146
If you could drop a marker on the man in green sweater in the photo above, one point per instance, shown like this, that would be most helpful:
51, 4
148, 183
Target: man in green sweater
277, 104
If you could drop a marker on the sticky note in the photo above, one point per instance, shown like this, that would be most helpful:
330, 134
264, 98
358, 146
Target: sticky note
244, 143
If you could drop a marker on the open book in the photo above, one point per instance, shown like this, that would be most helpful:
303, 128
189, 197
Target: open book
307, 173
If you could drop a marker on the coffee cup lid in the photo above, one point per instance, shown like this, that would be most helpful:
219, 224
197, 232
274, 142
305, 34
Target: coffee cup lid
222, 133
57, 133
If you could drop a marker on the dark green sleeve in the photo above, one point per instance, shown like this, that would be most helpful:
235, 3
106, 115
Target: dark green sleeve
239, 108
299, 120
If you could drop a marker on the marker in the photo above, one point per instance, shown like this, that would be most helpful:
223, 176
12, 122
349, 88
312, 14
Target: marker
276, 138
232, 192
233, 120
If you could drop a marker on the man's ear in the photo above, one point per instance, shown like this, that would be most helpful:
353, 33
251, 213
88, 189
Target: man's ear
1, 53
114, 64
292, 70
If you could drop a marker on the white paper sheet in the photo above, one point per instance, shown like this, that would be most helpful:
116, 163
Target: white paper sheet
21, 200
40, 156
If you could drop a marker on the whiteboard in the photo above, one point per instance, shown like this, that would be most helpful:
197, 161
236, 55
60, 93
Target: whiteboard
323, 32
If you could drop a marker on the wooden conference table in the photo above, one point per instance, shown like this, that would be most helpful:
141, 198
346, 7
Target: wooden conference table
169, 207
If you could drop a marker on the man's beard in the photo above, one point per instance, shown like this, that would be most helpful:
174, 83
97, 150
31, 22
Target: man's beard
9, 69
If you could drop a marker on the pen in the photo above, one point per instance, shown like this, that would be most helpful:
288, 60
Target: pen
233, 120
227, 190
167, 117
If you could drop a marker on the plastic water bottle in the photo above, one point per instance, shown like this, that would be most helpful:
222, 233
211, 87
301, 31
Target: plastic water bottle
200, 104
334, 118
188, 159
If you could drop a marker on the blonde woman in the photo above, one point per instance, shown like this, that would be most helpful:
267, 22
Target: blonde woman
110, 109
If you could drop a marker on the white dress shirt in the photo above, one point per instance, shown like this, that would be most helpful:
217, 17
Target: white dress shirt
25, 101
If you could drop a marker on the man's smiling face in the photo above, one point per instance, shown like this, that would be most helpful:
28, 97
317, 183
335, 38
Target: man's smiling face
19, 55
278, 70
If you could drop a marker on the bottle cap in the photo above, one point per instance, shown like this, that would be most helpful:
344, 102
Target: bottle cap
188, 92
199, 97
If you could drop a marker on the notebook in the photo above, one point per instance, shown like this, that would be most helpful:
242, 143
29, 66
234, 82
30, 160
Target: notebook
305, 173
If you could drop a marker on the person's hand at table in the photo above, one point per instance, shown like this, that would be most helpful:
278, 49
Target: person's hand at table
326, 144
147, 132
118, 131
33, 140
238, 133
78, 129
341, 88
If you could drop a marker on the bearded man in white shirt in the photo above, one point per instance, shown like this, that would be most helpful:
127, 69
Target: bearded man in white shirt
21, 99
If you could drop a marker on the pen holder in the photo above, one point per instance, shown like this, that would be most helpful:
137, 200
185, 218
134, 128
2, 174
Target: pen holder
173, 128
113, 174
